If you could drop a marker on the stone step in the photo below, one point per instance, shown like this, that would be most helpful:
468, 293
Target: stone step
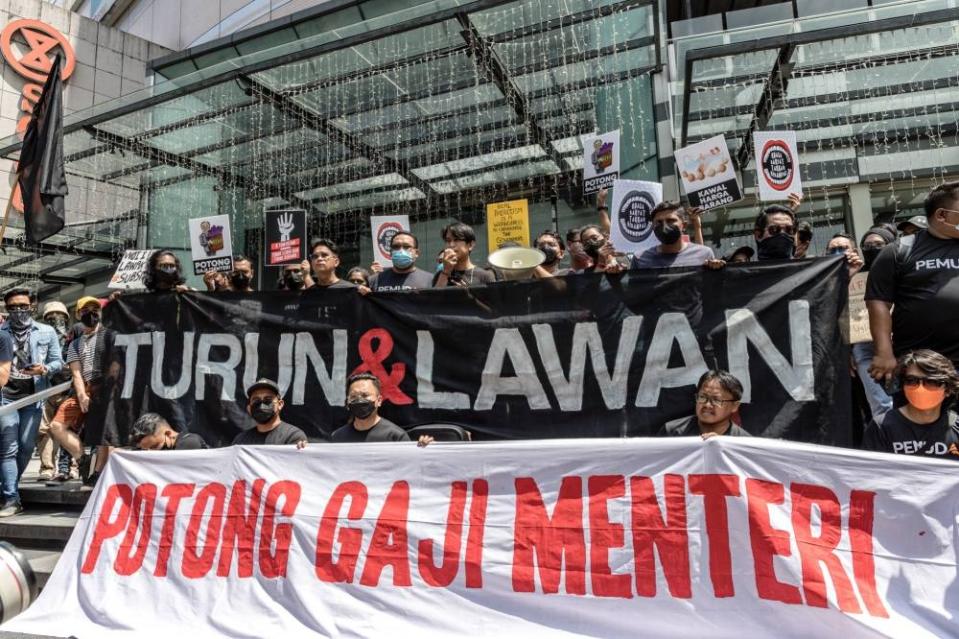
39, 524
72, 493
42, 561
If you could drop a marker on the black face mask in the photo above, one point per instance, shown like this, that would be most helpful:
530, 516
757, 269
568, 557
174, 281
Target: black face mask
776, 247
552, 255
667, 233
167, 276
592, 246
294, 280
240, 281
869, 255
90, 319
361, 408
262, 412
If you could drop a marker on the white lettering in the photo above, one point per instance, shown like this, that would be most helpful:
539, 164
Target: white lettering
132, 342
251, 370
657, 375
182, 385
225, 370
507, 342
426, 395
333, 382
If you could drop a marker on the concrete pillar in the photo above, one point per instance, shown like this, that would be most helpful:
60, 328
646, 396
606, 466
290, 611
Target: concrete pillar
860, 208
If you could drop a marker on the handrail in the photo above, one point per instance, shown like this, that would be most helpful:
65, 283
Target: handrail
33, 399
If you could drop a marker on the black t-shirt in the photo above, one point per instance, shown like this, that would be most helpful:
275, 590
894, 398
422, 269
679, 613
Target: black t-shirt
472, 277
390, 280
689, 426
384, 431
340, 283
281, 435
900, 435
925, 291
189, 441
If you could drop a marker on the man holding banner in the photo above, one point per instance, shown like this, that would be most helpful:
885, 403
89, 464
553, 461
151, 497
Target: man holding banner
669, 225
403, 275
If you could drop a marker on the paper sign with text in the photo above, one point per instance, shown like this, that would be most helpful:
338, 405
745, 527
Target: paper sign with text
858, 314
383, 228
600, 161
210, 244
777, 165
507, 222
631, 225
731, 537
709, 179
131, 272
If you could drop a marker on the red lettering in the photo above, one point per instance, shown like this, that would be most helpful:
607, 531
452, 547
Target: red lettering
767, 542
349, 539
861, 508
174, 494
552, 540
715, 489
239, 531
388, 545
197, 559
667, 535
443, 575
474, 541
603, 535
273, 562
107, 526
144, 499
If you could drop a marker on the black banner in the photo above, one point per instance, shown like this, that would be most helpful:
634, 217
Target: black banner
581, 356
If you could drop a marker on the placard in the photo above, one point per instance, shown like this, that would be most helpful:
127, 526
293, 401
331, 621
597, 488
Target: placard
631, 223
507, 222
284, 236
210, 244
858, 314
383, 228
600, 161
777, 164
709, 179
131, 272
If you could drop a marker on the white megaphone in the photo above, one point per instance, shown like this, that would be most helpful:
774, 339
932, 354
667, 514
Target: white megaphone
516, 262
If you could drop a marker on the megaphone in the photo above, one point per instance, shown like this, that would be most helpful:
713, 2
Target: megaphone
516, 262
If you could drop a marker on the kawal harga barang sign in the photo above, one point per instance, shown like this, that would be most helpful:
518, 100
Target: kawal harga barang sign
29, 48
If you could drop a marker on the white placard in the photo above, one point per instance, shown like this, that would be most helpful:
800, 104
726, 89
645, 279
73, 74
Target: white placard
631, 223
777, 164
131, 272
600, 161
383, 228
210, 244
708, 177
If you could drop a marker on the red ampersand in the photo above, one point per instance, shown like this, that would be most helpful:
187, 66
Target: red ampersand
373, 358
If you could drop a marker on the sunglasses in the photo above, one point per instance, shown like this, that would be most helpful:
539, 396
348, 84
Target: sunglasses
776, 229
913, 381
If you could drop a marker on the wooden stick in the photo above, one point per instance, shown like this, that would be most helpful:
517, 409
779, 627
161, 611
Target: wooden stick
6, 215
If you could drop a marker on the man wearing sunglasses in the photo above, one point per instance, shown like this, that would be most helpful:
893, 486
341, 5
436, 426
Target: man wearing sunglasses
913, 289
717, 399
924, 426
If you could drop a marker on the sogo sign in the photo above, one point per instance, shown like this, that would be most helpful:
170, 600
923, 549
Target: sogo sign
42, 44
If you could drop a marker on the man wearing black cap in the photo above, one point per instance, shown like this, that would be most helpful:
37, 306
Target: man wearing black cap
913, 225
740, 256
264, 405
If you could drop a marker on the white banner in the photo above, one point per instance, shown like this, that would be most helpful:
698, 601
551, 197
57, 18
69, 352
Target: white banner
630, 219
384, 227
777, 165
600, 161
210, 244
558, 538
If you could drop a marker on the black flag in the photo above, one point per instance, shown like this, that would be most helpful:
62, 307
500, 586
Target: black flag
41, 176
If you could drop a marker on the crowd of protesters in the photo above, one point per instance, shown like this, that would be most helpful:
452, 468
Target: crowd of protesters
907, 372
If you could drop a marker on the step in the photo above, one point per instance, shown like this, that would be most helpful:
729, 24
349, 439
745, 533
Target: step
71, 493
42, 524
42, 561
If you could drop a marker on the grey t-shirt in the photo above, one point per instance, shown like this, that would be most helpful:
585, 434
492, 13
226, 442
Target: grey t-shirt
691, 255
390, 280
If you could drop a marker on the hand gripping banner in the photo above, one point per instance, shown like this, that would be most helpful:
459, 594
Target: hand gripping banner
580, 356
566, 538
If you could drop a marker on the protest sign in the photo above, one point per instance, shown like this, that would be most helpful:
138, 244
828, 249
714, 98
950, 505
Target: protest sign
709, 179
284, 236
383, 228
577, 355
600, 161
631, 225
777, 165
210, 244
667, 537
132, 270
858, 314
507, 222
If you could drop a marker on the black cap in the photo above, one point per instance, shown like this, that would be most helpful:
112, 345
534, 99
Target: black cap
263, 383
747, 250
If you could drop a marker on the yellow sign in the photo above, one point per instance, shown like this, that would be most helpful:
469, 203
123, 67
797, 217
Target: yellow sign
507, 221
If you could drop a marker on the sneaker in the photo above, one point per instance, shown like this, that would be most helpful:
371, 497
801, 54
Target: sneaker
74, 473
91, 479
84, 466
11, 509
45, 475
61, 477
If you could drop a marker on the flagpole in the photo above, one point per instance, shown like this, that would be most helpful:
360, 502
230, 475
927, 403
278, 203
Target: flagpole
6, 216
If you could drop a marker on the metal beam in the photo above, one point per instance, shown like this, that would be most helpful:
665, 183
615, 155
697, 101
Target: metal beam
773, 91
